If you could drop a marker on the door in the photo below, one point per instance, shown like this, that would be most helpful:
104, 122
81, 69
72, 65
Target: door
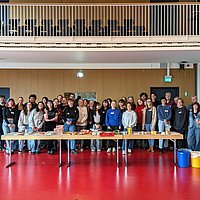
160, 91
5, 92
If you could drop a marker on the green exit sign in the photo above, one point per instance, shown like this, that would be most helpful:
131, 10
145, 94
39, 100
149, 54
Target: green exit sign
168, 79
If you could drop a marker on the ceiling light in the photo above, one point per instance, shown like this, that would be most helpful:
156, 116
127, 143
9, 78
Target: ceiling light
79, 74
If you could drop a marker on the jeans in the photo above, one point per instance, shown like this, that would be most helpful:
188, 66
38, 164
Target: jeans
193, 139
130, 143
94, 146
34, 145
21, 142
148, 129
6, 130
1, 133
162, 127
70, 128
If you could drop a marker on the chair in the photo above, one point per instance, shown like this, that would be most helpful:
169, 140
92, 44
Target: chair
96, 28
30, 27
79, 27
47, 28
13, 25
63, 28
112, 28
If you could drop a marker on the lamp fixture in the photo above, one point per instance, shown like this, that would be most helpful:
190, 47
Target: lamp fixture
80, 74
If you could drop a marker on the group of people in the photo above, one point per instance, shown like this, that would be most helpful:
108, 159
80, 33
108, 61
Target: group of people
147, 114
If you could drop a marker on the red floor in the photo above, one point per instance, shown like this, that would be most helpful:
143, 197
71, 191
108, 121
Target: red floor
95, 176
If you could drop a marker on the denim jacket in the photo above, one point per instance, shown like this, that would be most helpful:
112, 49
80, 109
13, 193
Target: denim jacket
192, 121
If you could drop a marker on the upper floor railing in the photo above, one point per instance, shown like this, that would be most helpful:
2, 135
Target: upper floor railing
100, 20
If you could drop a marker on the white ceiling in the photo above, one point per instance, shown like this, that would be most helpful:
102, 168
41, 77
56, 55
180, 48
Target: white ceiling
102, 57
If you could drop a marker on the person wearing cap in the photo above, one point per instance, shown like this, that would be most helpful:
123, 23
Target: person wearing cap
164, 114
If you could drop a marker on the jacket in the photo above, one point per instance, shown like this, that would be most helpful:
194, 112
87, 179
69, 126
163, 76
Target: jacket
70, 113
139, 110
164, 112
154, 118
83, 116
192, 120
113, 117
23, 121
180, 119
129, 119
36, 119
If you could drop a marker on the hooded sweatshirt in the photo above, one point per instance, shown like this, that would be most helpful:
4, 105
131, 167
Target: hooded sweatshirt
129, 119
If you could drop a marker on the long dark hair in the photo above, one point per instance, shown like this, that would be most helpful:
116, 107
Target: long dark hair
198, 109
37, 107
25, 108
50, 101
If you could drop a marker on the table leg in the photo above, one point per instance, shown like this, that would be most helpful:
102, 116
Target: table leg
68, 152
60, 154
10, 164
126, 154
118, 153
175, 151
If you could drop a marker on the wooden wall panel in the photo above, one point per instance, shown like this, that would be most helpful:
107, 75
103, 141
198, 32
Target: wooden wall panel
107, 83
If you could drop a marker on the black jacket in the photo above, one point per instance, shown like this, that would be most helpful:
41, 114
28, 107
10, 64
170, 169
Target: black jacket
180, 119
70, 113
10, 113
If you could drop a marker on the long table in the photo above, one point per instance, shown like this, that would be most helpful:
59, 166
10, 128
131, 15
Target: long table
173, 136
14, 136
116, 138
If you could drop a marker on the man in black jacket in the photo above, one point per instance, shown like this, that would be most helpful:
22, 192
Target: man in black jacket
180, 121
70, 116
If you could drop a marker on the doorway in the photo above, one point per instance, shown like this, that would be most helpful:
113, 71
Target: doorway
5, 91
160, 91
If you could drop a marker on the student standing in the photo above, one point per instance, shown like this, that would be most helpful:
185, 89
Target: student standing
9, 123
70, 117
50, 118
194, 128
113, 122
149, 119
139, 110
82, 121
164, 116
129, 120
180, 121
96, 126
23, 125
36, 121
2, 105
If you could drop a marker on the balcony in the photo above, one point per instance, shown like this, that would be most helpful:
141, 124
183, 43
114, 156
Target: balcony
131, 25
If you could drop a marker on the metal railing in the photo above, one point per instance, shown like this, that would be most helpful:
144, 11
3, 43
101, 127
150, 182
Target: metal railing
99, 20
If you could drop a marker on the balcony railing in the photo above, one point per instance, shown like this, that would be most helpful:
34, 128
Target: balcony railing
100, 20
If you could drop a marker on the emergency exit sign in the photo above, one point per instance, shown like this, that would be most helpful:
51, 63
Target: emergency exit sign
168, 79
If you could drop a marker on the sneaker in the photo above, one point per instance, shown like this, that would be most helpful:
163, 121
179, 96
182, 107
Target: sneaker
52, 152
108, 150
19, 152
82, 149
29, 151
49, 152
92, 150
113, 150
129, 150
99, 150
160, 150
73, 151
123, 152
